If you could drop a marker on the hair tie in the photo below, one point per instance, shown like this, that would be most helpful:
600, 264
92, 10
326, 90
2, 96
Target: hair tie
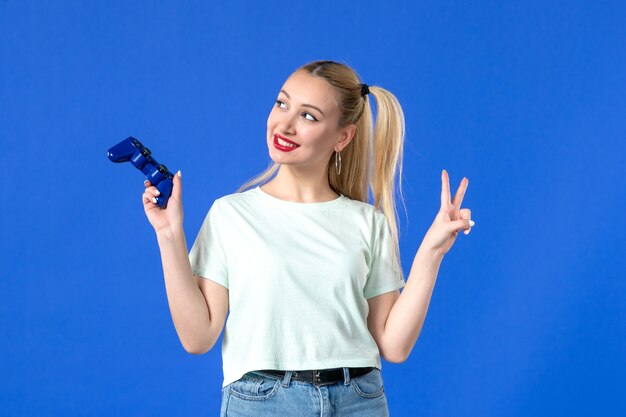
364, 89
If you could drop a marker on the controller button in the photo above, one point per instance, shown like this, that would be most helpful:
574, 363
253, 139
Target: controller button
145, 151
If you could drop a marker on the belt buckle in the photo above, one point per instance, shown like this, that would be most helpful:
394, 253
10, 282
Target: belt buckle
316, 377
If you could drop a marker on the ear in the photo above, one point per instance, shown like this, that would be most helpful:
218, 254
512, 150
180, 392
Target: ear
346, 135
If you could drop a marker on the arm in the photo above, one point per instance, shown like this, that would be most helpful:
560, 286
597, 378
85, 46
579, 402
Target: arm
189, 307
401, 318
395, 320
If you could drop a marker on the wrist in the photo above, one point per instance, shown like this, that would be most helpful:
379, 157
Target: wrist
170, 233
428, 256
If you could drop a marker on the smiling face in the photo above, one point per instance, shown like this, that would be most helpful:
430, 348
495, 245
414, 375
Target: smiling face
306, 114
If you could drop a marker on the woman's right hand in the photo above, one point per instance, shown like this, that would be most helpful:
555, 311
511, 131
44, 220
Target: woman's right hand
170, 217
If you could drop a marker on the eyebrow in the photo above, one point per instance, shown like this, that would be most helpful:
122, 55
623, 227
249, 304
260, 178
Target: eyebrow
304, 105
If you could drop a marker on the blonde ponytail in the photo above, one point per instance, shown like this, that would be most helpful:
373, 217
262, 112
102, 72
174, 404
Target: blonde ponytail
374, 155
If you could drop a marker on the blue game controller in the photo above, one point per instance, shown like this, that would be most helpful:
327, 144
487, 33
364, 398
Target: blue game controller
132, 150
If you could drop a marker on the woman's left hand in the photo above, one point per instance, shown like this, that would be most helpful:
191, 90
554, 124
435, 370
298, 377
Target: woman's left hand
450, 219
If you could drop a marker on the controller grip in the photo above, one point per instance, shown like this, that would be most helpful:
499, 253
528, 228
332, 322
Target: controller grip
122, 152
165, 188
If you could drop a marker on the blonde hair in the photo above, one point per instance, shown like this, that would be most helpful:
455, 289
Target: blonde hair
372, 158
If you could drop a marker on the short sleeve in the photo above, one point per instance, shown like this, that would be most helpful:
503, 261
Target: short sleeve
385, 272
207, 256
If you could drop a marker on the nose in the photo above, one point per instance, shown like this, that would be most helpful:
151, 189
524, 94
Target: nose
286, 122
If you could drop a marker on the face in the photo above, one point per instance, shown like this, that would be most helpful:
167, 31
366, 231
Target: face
305, 114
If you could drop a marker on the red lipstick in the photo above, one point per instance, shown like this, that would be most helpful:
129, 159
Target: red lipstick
284, 148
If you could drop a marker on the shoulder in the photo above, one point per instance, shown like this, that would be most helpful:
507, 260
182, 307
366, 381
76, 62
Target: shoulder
360, 207
365, 211
234, 200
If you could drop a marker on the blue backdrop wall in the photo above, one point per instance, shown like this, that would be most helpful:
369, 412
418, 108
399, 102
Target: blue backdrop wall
526, 99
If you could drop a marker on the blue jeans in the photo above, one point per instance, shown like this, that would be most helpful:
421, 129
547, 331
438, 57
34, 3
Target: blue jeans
258, 394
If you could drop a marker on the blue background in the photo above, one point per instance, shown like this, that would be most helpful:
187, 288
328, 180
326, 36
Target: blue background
527, 99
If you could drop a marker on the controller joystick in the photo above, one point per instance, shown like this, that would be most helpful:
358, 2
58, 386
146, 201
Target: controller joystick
130, 149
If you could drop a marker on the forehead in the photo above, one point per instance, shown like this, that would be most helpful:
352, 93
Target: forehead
308, 89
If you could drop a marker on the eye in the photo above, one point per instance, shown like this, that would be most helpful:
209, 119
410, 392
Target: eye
314, 119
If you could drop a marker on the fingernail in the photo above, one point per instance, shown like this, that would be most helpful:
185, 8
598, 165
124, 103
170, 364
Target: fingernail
179, 173
157, 192
154, 200
145, 182
472, 223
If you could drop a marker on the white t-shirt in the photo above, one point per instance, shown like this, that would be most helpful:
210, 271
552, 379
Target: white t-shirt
299, 276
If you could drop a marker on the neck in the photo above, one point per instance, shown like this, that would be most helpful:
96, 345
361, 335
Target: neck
297, 186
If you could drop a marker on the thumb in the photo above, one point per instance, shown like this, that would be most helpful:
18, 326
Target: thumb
177, 188
461, 224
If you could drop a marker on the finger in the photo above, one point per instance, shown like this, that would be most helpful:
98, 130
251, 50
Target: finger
146, 183
469, 229
465, 214
154, 191
460, 193
148, 197
445, 188
177, 188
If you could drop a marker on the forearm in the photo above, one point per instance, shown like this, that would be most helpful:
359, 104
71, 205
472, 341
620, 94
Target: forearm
407, 315
188, 306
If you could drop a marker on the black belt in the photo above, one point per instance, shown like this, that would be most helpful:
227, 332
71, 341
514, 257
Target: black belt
319, 377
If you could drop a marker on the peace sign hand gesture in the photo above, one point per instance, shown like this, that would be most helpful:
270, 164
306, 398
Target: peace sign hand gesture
450, 219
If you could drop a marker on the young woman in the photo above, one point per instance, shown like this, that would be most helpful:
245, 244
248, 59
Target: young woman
307, 270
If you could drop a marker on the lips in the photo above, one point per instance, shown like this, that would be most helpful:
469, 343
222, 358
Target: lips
283, 147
